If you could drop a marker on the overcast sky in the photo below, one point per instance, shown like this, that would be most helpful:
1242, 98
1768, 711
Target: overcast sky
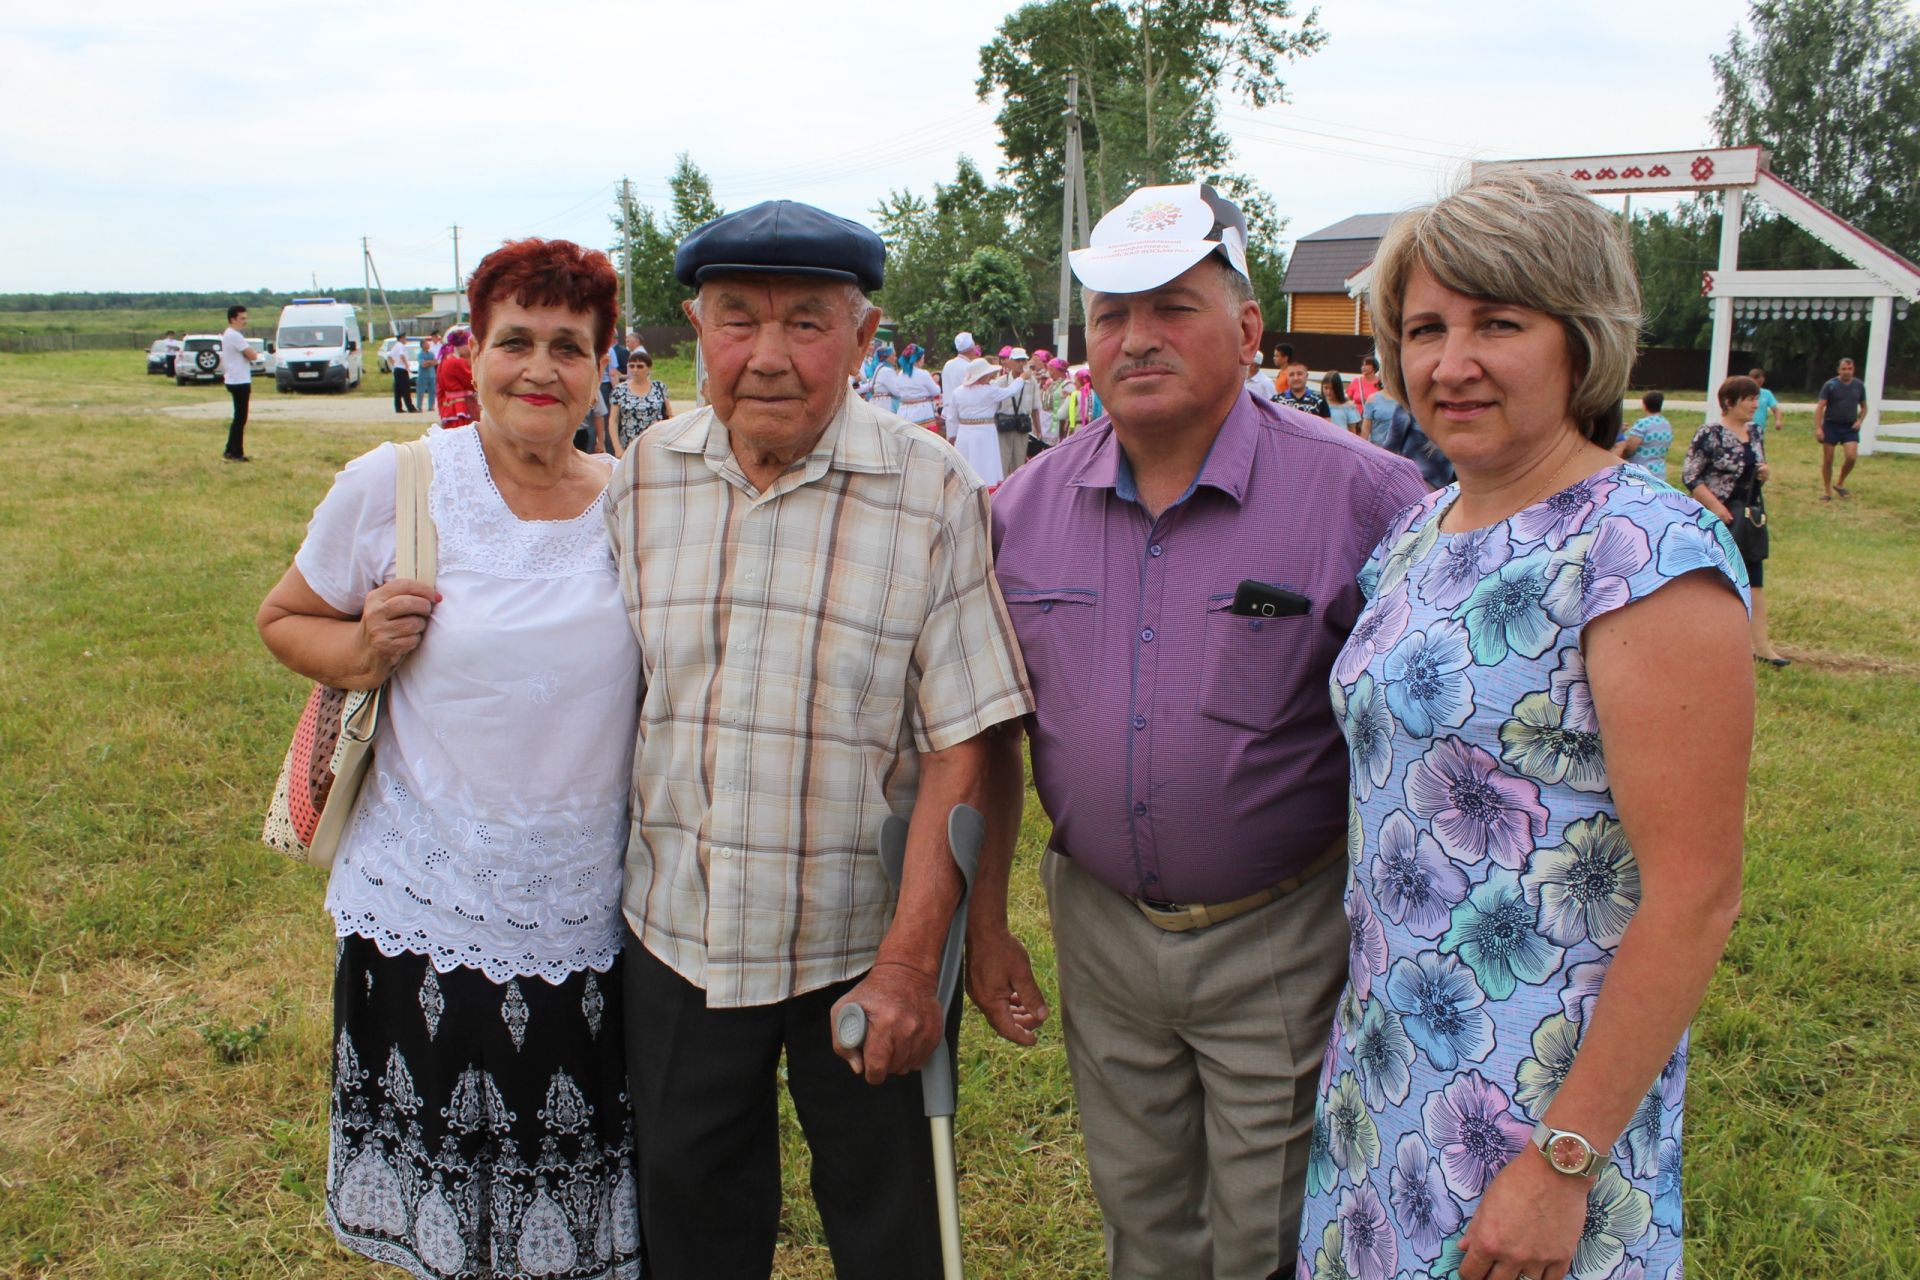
173, 147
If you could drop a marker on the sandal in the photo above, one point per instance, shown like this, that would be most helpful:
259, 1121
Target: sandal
1826, 497
1842, 492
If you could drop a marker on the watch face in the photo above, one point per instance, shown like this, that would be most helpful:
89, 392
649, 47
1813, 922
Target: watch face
1568, 1153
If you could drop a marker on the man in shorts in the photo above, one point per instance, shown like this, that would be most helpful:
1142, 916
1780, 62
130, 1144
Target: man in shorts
1843, 403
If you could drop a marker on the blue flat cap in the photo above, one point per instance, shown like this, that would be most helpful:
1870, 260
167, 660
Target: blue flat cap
782, 237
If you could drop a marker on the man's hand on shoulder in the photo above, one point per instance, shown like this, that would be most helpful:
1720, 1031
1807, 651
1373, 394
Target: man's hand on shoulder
904, 1021
1000, 980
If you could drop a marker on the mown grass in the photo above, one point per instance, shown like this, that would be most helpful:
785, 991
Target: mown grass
148, 1127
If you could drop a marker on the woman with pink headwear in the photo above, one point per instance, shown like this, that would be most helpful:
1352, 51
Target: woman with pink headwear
1086, 398
458, 404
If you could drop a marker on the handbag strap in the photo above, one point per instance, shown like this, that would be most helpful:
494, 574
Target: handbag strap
416, 551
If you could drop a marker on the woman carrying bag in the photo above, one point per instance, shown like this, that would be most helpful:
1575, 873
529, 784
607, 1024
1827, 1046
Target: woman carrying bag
1725, 471
480, 1121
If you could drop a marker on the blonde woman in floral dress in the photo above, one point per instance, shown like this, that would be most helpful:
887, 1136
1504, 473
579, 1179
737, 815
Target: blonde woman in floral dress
1534, 919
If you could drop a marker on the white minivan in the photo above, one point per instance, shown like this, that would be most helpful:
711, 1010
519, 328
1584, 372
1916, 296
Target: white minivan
319, 346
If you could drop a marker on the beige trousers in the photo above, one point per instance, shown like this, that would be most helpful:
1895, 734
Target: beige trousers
1013, 452
1196, 1060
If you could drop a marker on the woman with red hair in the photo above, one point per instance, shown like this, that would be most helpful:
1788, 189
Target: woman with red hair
480, 1119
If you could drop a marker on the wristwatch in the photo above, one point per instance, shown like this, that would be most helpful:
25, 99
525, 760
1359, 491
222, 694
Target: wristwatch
1566, 1151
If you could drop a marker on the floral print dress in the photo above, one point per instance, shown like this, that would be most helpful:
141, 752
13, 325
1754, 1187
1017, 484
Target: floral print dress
1490, 880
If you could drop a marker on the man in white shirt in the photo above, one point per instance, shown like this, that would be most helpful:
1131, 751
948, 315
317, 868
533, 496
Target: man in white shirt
402, 377
236, 370
953, 376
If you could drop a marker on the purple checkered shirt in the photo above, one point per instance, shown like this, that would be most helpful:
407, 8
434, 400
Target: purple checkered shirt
1185, 753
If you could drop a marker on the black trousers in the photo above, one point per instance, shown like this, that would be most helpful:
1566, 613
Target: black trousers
706, 1121
242, 393
403, 392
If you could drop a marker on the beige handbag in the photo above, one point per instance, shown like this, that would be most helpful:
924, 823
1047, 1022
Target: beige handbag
333, 743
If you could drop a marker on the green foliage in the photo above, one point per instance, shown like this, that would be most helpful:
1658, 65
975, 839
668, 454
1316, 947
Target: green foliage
1671, 249
1151, 76
990, 291
1830, 88
231, 1043
656, 294
72, 312
929, 241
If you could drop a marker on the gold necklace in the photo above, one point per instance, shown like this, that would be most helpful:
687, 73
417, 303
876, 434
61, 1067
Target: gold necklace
1547, 488
1539, 493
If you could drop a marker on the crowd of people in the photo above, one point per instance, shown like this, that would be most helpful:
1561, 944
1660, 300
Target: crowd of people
1371, 960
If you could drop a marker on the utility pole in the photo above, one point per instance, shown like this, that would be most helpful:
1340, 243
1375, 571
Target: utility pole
366, 285
459, 283
392, 324
626, 253
1073, 204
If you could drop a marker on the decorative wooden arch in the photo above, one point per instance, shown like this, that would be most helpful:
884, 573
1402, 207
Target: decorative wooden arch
1883, 284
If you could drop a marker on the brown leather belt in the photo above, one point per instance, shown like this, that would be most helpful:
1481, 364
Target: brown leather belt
1177, 917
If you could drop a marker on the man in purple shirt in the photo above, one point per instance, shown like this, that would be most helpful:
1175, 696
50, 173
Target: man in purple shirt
1181, 575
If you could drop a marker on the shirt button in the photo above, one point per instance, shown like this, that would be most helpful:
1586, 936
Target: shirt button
750, 575
1139, 808
726, 853
1155, 549
1139, 722
741, 647
1046, 606
1256, 624
726, 786
1147, 635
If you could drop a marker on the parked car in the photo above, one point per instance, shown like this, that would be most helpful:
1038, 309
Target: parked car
160, 356
318, 346
263, 348
413, 353
199, 359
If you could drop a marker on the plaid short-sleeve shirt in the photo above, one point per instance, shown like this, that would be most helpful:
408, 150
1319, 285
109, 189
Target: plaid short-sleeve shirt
800, 647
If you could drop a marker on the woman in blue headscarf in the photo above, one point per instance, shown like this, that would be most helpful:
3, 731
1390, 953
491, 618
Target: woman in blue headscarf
913, 391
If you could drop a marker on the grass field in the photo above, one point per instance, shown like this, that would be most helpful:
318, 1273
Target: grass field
163, 978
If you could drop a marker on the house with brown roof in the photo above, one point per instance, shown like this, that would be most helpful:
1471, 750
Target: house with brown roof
1320, 267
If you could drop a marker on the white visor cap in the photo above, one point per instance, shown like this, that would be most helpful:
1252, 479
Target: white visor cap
1158, 232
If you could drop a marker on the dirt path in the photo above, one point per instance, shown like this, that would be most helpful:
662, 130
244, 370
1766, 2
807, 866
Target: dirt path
287, 408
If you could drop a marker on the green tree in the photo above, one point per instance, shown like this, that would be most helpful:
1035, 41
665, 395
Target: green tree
927, 239
1152, 74
988, 294
656, 294
1671, 249
1832, 89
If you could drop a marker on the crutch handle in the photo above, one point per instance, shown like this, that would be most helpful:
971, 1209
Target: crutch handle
850, 1028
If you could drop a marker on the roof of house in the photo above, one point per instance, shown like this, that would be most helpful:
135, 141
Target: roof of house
1322, 261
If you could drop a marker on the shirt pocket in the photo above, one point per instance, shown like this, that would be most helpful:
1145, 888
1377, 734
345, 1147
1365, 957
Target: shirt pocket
1056, 627
1251, 666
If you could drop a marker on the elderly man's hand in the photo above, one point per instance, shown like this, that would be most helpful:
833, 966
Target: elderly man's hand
1000, 980
904, 1021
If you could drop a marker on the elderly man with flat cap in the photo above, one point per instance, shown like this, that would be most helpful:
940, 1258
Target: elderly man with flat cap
822, 645
1181, 574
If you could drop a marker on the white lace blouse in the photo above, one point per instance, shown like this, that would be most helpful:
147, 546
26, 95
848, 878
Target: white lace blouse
491, 827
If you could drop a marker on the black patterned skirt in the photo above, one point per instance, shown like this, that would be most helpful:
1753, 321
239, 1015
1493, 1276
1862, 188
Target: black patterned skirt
481, 1130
